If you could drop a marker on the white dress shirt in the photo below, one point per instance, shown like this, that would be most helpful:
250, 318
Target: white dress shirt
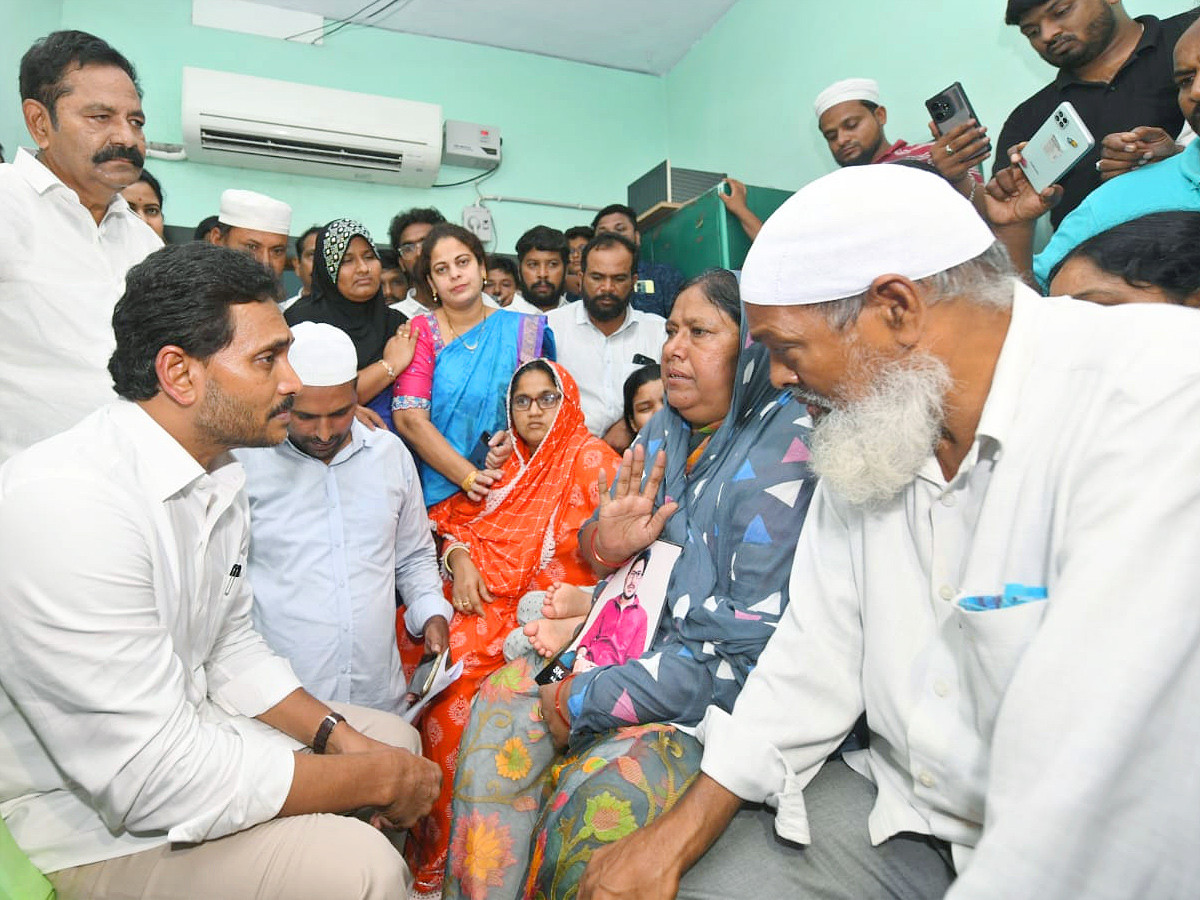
599, 363
330, 546
128, 661
61, 274
1055, 738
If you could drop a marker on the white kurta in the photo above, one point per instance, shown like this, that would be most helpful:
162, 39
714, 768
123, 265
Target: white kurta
1025, 639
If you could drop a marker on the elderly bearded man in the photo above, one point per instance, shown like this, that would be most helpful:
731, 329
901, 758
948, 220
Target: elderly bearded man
990, 572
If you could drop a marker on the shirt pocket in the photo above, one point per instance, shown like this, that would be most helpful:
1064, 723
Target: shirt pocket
993, 643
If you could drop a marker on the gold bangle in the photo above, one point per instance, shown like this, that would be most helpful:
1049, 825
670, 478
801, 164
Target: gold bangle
468, 483
457, 545
387, 368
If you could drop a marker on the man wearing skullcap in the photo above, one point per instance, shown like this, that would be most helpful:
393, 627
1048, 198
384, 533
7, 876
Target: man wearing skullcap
337, 529
256, 224
67, 236
998, 570
851, 120
151, 743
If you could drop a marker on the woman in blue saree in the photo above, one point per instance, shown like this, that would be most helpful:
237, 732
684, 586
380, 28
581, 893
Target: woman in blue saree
732, 487
453, 392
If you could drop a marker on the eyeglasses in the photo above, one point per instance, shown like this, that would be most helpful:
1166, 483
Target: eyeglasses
548, 400
411, 248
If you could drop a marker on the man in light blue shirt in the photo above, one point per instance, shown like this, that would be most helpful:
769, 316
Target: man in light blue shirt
338, 526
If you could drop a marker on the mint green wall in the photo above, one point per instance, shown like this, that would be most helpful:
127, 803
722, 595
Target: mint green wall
565, 125
741, 100
20, 25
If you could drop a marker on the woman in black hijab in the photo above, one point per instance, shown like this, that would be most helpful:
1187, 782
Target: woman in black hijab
346, 293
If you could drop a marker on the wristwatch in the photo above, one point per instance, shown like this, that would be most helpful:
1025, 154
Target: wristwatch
324, 730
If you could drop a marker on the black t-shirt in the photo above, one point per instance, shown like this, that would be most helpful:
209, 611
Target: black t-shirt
1143, 92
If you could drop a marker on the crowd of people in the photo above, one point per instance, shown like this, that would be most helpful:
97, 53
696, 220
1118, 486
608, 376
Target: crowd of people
927, 632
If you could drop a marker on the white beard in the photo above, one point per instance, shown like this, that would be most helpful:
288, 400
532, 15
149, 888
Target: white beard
869, 449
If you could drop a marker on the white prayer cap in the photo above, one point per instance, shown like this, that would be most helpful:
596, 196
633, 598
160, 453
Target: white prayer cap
322, 355
258, 212
847, 89
836, 235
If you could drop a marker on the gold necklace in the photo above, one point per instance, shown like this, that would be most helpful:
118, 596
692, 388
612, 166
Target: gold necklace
459, 337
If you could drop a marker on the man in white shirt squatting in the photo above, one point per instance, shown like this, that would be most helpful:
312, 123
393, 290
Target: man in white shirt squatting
990, 571
142, 718
337, 527
67, 236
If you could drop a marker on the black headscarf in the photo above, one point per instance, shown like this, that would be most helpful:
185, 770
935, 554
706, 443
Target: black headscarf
369, 324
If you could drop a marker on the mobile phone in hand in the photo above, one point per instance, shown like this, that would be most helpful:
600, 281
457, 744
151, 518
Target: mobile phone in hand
950, 108
1061, 142
478, 456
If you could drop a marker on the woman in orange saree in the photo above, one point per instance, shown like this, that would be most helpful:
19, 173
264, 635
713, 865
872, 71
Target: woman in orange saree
523, 537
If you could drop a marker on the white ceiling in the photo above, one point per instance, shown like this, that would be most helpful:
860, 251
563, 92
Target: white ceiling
648, 36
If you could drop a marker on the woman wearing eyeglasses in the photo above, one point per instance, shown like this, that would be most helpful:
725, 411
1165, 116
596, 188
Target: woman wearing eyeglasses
524, 537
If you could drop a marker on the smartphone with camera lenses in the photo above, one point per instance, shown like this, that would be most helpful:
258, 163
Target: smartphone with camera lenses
950, 108
1061, 142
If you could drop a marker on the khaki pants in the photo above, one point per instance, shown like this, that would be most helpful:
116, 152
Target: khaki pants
321, 857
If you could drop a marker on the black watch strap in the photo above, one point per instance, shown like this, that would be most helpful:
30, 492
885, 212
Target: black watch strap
324, 730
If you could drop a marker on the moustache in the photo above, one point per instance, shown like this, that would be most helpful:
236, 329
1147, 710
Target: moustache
541, 285
129, 154
285, 405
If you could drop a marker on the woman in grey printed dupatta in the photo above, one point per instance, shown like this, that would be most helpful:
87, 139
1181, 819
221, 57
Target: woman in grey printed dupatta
527, 819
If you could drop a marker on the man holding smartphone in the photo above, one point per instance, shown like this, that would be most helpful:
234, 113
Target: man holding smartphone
1115, 70
852, 119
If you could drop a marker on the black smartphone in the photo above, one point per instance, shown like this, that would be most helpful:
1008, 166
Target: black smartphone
641, 359
478, 456
950, 108
422, 677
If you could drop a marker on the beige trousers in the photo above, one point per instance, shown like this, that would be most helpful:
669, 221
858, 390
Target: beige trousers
316, 857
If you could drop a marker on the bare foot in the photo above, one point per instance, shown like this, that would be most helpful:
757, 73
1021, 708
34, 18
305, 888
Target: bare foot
564, 601
548, 636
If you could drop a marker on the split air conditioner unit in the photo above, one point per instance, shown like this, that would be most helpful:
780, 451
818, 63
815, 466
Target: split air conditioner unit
261, 123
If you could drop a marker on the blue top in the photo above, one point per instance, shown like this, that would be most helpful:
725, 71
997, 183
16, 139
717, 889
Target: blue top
1173, 184
330, 546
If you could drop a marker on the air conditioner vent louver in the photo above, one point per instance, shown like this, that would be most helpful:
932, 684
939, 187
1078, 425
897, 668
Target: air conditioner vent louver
301, 129
306, 151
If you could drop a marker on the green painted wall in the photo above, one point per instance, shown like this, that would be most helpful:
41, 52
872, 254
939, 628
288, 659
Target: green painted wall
741, 100
21, 23
565, 125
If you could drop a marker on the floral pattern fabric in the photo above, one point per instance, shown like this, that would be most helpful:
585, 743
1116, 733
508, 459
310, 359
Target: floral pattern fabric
522, 538
531, 821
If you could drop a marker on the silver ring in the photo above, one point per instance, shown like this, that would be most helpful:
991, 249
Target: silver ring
949, 150
1097, 165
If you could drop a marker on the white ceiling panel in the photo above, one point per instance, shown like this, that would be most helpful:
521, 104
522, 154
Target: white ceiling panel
648, 36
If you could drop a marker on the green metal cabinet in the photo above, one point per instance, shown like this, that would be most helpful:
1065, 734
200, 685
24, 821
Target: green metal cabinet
702, 234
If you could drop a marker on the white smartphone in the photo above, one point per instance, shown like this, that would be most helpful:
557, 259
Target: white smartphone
1056, 147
